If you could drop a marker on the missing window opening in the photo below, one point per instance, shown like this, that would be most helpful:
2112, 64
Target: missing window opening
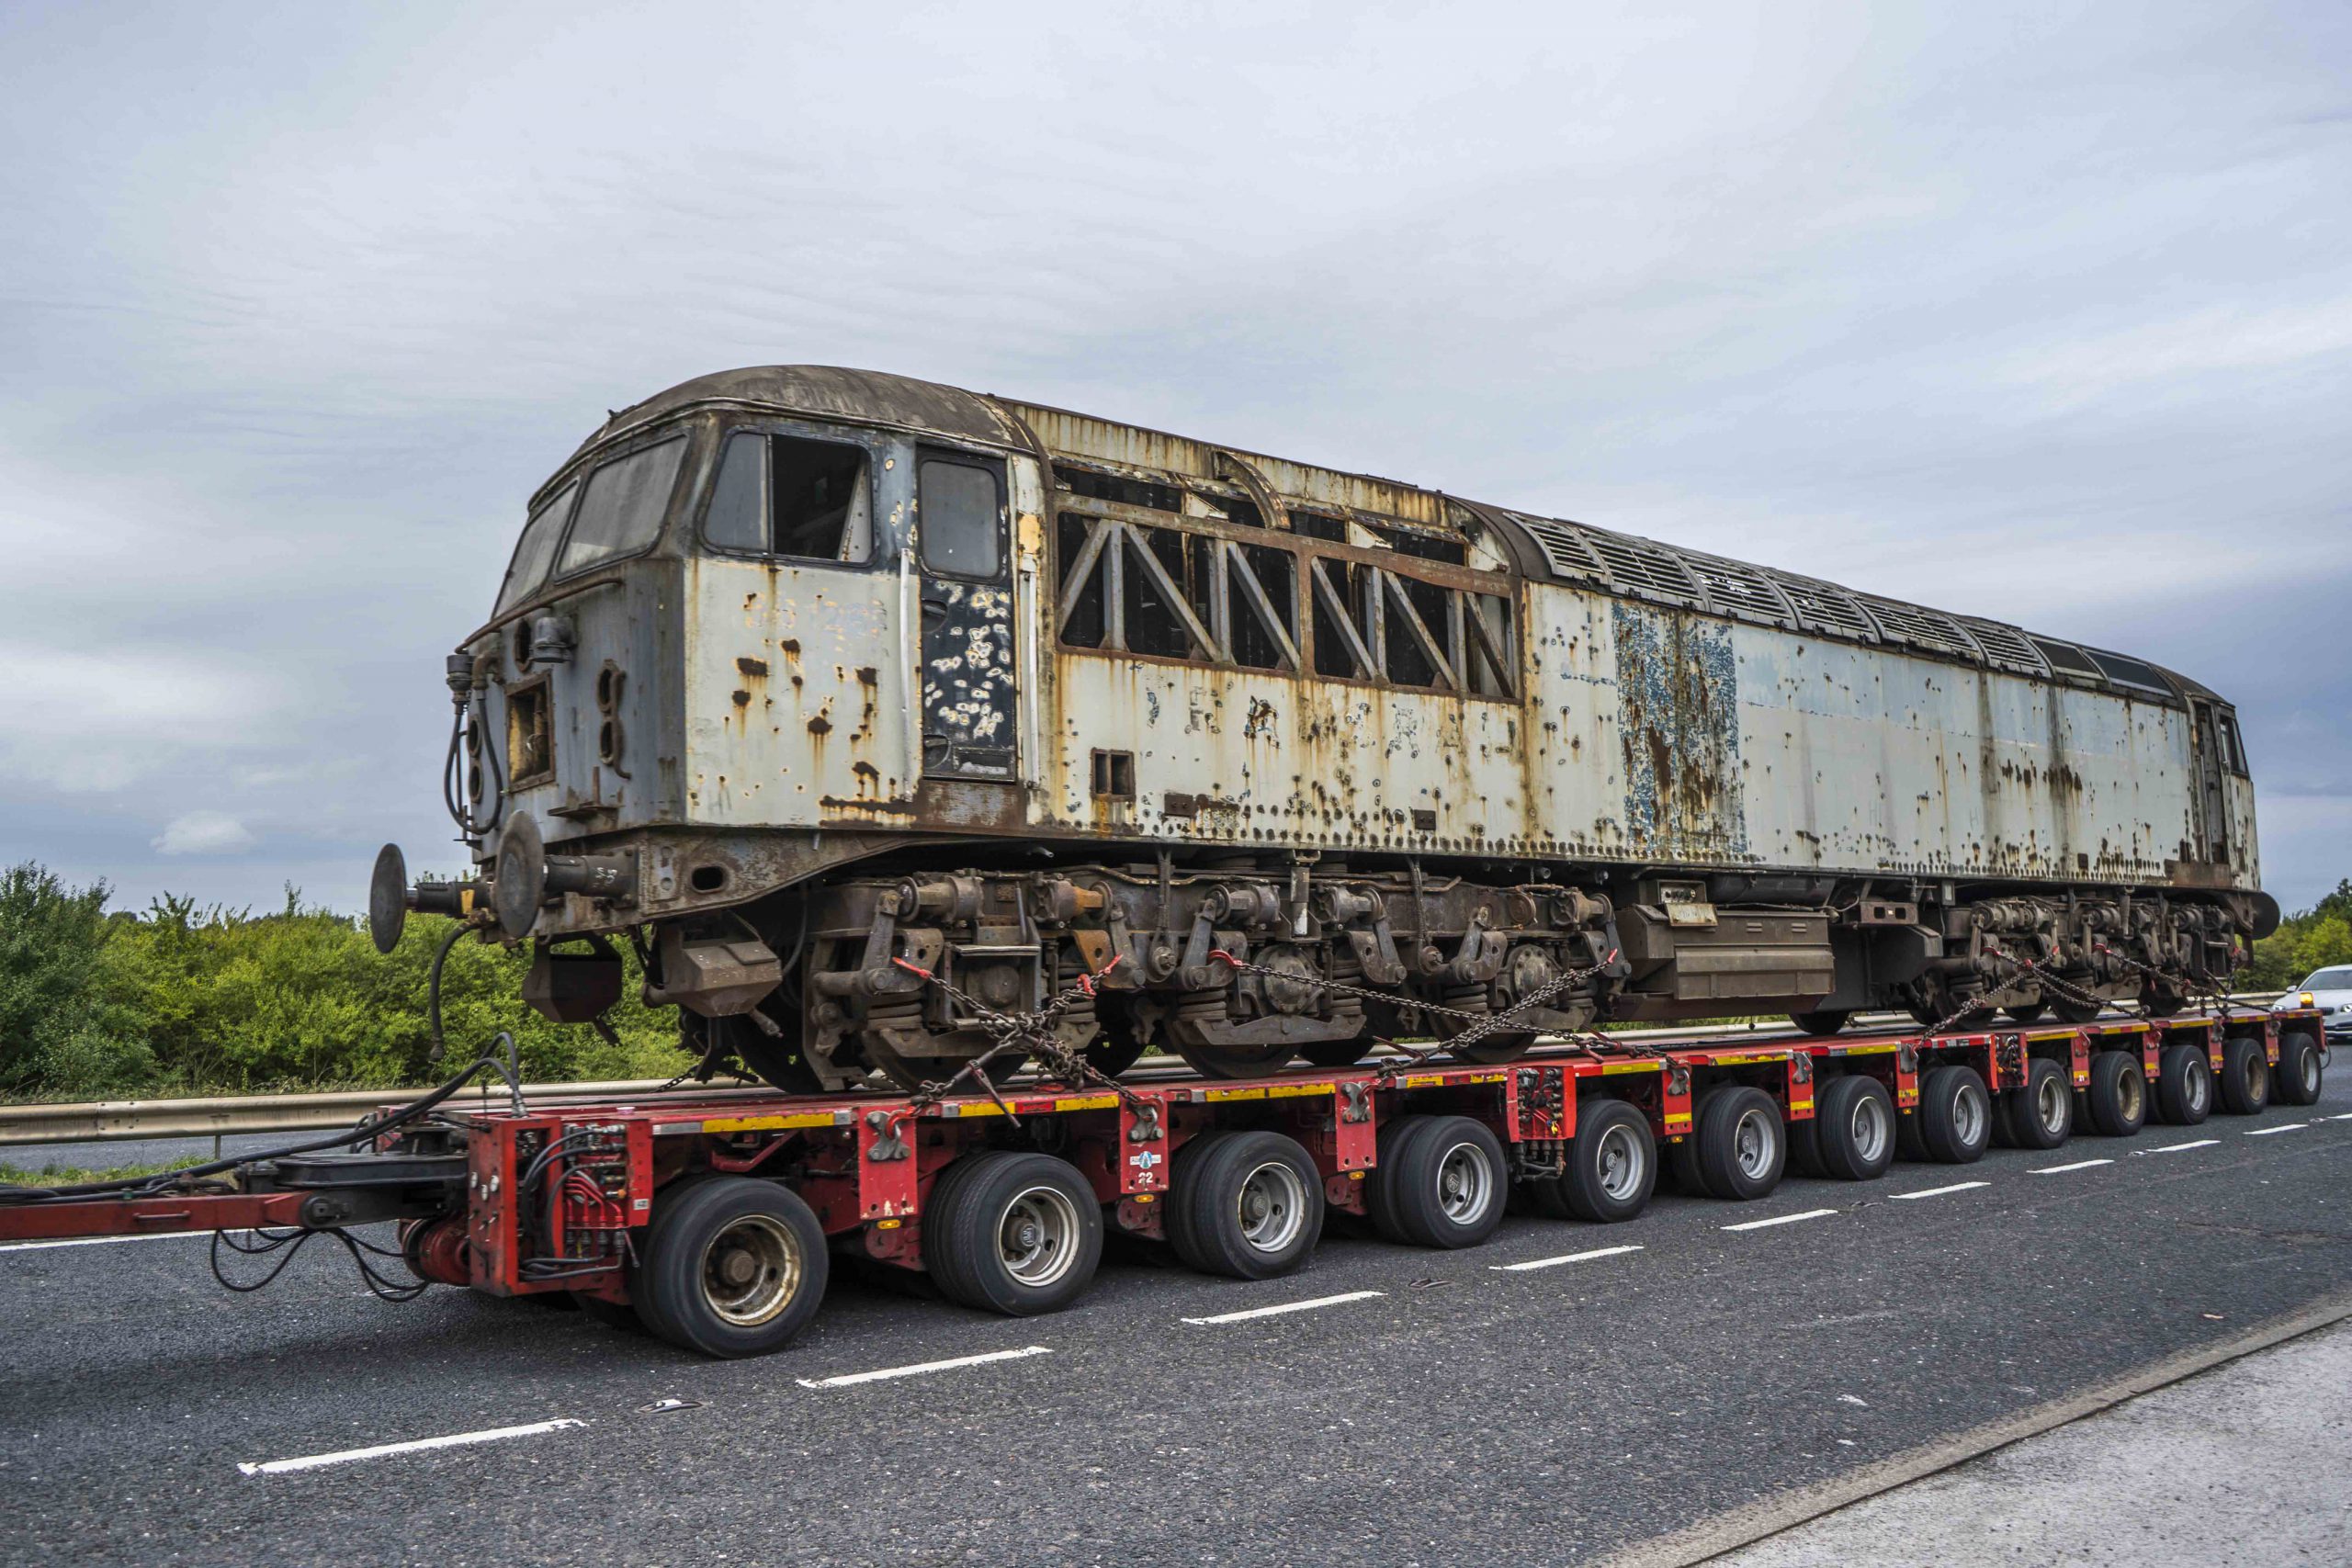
1114, 488
530, 739
1114, 776
786, 495
1315, 526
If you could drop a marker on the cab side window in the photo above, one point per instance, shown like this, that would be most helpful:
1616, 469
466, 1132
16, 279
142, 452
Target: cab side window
784, 495
959, 511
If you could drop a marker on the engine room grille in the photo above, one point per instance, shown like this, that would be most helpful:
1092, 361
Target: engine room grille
1734, 589
1639, 567
1568, 555
1918, 627
1821, 607
2005, 648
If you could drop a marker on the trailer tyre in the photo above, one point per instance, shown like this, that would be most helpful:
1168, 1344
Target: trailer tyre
1388, 1147
2296, 1079
733, 1267
2183, 1086
1853, 1128
2245, 1074
1447, 1185
1612, 1164
1017, 1234
1955, 1116
2039, 1113
1248, 1205
1742, 1145
2116, 1103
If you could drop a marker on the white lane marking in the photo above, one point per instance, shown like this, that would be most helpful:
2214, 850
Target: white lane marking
1568, 1258
2062, 1169
457, 1439
102, 1240
2265, 1131
1939, 1191
2174, 1148
1779, 1220
1306, 1305
919, 1368
2345, 1117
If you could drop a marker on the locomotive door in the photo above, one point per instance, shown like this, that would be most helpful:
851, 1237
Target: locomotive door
968, 692
2212, 793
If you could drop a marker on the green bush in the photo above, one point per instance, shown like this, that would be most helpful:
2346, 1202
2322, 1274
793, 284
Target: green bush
2313, 940
186, 1000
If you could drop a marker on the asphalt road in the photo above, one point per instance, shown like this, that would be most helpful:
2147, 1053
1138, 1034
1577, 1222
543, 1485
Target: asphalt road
1464, 1413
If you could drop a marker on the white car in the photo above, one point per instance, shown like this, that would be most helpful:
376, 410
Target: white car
2330, 990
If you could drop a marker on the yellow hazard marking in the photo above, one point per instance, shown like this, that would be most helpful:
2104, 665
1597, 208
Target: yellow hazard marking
1237, 1094
1750, 1056
1294, 1090
2053, 1034
1087, 1102
1630, 1067
888, 1224
1673, 1122
1423, 1080
765, 1123
978, 1108
1865, 1050
1800, 1105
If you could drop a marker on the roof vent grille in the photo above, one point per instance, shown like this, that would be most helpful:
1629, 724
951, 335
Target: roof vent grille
2005, 648
1918, 626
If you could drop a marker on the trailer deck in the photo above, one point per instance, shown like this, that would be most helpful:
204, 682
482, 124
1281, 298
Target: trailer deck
711, 1215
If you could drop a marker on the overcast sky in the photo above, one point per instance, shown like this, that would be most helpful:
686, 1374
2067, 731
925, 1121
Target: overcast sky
2041, 312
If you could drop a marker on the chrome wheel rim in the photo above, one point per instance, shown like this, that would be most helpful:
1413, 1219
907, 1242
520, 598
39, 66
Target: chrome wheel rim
2128, 1091
751, 1270
2049, 1104
1867, 1127
2307, 1073
1622, 1160
2197, 1085
1968, 1114
1753, 1142
1272, 1206
1037, 1238
1466, 1184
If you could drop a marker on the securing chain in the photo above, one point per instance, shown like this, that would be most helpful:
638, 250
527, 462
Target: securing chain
1029, 1033
1477, 1025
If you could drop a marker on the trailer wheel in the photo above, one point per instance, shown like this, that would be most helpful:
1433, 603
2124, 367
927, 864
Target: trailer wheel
2245, 1074
2296, 1079
1955, 1117
2185, 1085
1853, 1123
732, 1266
1742, 1145
1612, 1165
1018, 1234
2039, 1113
1805, 1146
1446, 1184
2116, 1103
1247, 1205
1828, 1022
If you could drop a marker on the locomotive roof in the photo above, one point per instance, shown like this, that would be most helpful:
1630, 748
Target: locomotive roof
1560, 548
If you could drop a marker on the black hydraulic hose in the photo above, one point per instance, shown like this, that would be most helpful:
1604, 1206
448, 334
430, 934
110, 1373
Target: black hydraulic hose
453, 780
399, 1116
433, 992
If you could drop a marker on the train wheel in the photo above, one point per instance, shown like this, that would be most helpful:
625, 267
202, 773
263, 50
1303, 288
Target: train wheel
1248, 1205
1334, 1054
1235, 1061
2116, 1103
1820, 1022
1853, 1122
1612, 1164
2074, 1009
2185, 1085
2246, 1075
2028, 1012
2296, 1079
1121, 1046
1018, 1234
911, 1073
1955, 1116
1495, 1049
776, 1058
732, 1266
2040, 1113
1743, 1145
1448, 1185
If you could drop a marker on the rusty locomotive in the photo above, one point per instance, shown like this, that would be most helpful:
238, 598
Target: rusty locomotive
809, 680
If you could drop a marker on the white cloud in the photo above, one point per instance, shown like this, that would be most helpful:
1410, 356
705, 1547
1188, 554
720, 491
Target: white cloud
203, 833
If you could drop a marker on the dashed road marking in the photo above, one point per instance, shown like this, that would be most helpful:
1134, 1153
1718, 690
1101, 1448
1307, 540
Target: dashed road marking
2265, 1131
383, 1450
1939, 1191
1779, 1220
2176, 1148
1567, 1258
102, 1240
2078, 1164
1307, 1305
919, 1368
